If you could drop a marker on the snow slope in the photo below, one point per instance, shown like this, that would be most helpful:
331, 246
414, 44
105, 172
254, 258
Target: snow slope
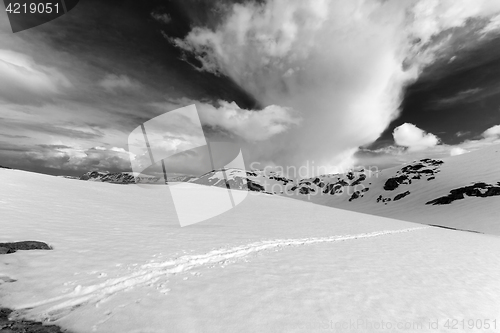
408, 192
265, 181
121, 263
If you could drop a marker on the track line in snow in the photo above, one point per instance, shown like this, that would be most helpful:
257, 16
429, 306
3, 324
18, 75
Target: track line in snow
148, 274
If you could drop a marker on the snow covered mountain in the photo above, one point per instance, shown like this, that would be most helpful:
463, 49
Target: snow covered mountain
458, 192
269, 182
117, 178
127, 178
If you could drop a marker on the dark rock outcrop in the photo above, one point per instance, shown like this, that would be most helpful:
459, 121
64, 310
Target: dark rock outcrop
306, 190
332, 189
354, 196
392, 183
119, 178
281, 179
252, 186
480, 190
26, 245
382, 199
358, 181
24, 326
401, 195
424, 168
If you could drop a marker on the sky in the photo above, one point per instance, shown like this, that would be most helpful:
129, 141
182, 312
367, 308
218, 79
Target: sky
325, 83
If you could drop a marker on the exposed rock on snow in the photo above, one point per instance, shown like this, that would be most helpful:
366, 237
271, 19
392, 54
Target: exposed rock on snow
401, 195
23, 326
269, 182
392, 183
119, 178
481, 190
417, 170
26, 245
421, 191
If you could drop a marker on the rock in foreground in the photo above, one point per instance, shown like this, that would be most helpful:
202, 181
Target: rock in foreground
6, 248
18, 326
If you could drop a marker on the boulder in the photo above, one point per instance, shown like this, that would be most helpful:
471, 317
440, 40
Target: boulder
392, 183
25, 245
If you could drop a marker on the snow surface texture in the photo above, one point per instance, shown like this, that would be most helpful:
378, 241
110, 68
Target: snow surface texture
121, 263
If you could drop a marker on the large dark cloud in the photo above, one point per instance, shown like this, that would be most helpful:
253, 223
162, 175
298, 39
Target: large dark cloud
457, 99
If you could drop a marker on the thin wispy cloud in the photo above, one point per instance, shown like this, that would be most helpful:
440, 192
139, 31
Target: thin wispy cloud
23, 81
462, 96
161, 17
115, 83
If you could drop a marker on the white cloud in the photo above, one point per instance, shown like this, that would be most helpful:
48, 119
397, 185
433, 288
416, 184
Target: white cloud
23, 81
409, 135
339, 63
492, 132
250, 125
76, 159
114, 83
163, 18
493, 26
455, 151
460, 96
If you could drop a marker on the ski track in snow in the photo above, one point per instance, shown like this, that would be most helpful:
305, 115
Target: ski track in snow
150, 273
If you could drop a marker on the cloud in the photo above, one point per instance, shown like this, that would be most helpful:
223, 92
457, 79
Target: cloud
341, 64
114, 83
492, 132
79, 132
68, 159
249, 125
10, 136
455, 151
163, 18
23, 81
409, 135
391, 156
462, 133
462, 96
493, 26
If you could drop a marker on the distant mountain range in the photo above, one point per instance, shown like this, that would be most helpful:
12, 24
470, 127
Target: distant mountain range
460, 192
125, 178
